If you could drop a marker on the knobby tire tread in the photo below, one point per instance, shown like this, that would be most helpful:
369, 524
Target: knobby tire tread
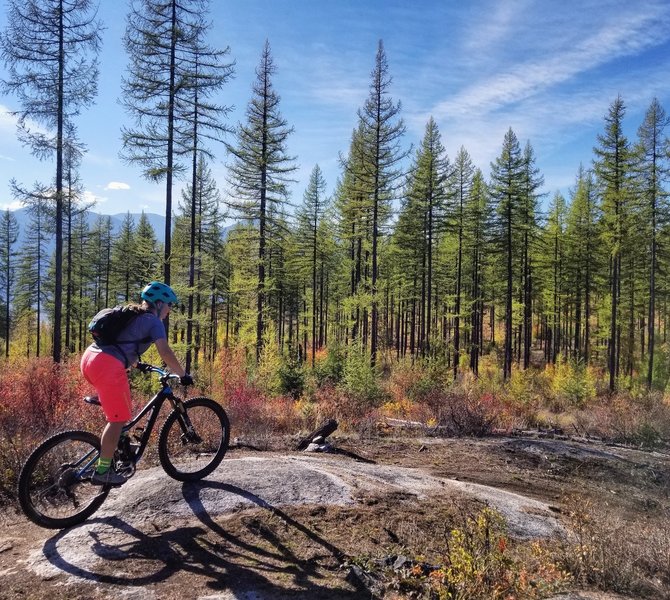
23, 490
171, 421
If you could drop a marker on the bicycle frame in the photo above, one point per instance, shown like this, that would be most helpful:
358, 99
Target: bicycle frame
151, 410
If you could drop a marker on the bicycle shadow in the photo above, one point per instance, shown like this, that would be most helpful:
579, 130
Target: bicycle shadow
112, 551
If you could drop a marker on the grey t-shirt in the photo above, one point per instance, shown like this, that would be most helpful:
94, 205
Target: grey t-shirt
134, 340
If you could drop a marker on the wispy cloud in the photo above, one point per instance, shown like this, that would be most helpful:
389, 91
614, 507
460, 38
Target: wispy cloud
12, 205
623, 38
494, 27
116, 185
9, 158
7, 120
92, 198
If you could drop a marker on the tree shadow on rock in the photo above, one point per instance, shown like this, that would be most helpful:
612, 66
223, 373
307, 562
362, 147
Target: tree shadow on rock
113, 552
276, 555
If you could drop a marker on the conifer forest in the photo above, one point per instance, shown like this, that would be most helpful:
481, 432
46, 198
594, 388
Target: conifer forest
414, 256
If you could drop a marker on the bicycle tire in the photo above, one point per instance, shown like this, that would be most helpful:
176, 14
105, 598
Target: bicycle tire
187, 460
49, 490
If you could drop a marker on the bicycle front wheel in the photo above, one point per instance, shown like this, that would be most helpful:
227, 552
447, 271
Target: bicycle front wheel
54, 484
192, 443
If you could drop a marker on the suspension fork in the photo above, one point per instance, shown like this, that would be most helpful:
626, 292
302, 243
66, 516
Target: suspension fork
188, 431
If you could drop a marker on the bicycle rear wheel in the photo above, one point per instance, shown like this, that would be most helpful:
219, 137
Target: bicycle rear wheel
192, 445
54, 484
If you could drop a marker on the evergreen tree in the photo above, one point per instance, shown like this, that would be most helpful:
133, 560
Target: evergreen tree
555, 246
651, 166
259, 172
507, 187
583, 260
50, 48
9, 235
123, 276
476, 212
31, 289
200, 249
145, 257
421, 222
462, 181
612, 169
99, 257
382, 130
310, 218
532, 182
353, 223
208, 74
163, 40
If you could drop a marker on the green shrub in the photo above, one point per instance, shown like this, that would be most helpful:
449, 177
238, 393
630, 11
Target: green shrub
359, 378
291, 376
330, 369
573, 383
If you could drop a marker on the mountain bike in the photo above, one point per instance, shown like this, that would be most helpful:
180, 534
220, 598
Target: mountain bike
55, 489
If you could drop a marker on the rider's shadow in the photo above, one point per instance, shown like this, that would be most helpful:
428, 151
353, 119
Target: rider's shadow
115, 552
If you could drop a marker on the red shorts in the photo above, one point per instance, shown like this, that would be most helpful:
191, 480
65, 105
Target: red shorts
110, 380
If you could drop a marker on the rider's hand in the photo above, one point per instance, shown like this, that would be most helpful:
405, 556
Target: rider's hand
186, 379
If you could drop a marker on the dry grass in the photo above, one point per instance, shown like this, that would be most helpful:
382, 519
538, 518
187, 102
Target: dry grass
612, 553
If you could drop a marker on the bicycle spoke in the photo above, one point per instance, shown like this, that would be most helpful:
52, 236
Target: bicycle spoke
55, 488
190, 447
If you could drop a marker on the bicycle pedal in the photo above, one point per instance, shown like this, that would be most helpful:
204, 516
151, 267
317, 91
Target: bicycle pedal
92, 400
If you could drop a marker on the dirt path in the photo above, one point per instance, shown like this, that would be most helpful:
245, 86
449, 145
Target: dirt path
279, 525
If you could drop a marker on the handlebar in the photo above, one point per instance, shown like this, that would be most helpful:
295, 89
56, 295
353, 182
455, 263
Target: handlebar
164, 376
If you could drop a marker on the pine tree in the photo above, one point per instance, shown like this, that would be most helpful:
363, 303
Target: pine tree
260, 171
310, 217
420, 224
382, 130
476, 212
31, 289
532, 182
208, 73
200, 212
612, 169
555, 248
164, 44
651, 166
9, 234
507, 187
462, 182
100, 259
50, 48
145, 257
583, 259
353, 210
123, 279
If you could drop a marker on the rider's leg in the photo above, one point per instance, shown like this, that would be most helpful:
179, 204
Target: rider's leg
109, 439
110, 379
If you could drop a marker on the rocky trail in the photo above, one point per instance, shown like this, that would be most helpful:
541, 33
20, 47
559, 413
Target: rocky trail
281, 524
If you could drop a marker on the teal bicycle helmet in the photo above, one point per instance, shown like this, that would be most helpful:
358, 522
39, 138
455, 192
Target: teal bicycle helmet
157, 291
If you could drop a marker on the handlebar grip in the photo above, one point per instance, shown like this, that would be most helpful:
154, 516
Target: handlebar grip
143, 367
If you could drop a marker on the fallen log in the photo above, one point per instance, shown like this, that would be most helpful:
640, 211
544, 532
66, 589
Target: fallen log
326, 428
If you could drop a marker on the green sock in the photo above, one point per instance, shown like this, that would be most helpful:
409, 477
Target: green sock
103, 465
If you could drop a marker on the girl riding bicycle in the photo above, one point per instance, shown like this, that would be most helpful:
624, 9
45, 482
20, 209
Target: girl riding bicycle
104, 367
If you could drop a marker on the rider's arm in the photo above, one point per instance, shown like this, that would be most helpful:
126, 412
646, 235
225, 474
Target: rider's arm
169, 357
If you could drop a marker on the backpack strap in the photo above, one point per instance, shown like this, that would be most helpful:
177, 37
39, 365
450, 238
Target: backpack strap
138, 312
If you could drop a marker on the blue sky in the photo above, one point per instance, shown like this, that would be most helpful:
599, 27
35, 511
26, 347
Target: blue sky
548, 69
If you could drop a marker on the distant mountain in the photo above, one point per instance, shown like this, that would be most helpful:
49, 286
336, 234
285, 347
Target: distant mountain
156, 221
